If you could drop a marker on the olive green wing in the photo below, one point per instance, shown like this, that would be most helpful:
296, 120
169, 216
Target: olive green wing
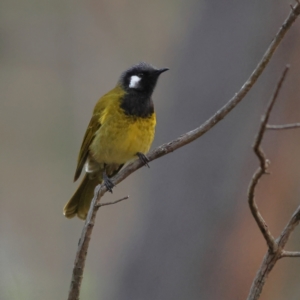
94, 125
111, 97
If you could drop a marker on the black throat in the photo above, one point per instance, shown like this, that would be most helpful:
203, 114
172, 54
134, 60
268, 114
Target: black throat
138, 105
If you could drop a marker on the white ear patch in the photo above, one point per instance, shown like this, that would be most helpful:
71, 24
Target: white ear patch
134, 81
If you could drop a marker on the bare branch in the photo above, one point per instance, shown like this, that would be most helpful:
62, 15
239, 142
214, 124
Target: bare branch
282, 127
274, 252
276, 247
263, 169
289, 254
170, 147
289, 228
294, 7
270, 259
113, 202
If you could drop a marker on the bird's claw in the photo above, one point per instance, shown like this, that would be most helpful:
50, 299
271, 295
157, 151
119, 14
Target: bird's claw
143, 158
108, 183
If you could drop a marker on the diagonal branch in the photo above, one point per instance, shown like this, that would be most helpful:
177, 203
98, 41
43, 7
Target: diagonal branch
170, 147
275, 247
263, 169
289, 228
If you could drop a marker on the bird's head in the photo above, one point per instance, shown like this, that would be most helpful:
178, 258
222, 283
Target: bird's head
141, 78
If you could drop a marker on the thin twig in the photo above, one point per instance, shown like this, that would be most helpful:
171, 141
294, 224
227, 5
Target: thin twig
113, 202
263, 169
170, 147
290, 254
282, 127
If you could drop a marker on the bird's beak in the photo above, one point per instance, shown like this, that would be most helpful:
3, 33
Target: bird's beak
159, 71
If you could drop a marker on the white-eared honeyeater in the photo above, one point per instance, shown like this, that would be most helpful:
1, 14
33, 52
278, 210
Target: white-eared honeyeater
122, 127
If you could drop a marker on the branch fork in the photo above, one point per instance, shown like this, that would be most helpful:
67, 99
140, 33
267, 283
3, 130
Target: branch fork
275, 246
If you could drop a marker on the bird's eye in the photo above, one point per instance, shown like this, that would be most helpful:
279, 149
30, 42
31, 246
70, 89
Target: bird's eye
140, 75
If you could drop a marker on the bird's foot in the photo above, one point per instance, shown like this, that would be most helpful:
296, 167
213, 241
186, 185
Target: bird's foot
143, 158
108, 183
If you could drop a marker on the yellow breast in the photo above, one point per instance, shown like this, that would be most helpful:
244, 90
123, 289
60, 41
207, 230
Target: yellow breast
121, 136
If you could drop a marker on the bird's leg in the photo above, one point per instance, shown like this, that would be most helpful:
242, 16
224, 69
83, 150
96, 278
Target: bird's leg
143, 158
108, 183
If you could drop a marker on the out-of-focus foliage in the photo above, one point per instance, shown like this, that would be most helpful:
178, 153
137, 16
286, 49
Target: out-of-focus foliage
186, 232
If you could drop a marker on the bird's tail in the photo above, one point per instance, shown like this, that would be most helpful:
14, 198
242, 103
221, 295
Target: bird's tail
80, 203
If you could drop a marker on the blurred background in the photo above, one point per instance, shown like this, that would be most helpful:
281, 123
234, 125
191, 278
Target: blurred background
186, 232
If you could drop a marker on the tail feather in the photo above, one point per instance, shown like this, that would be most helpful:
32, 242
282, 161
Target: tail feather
80, 203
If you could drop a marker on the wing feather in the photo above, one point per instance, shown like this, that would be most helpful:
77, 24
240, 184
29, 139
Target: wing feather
113, 96
94, 125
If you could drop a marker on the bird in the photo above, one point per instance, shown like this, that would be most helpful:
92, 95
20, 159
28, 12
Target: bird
122, 128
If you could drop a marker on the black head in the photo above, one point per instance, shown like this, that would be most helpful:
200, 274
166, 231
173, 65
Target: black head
141, 78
